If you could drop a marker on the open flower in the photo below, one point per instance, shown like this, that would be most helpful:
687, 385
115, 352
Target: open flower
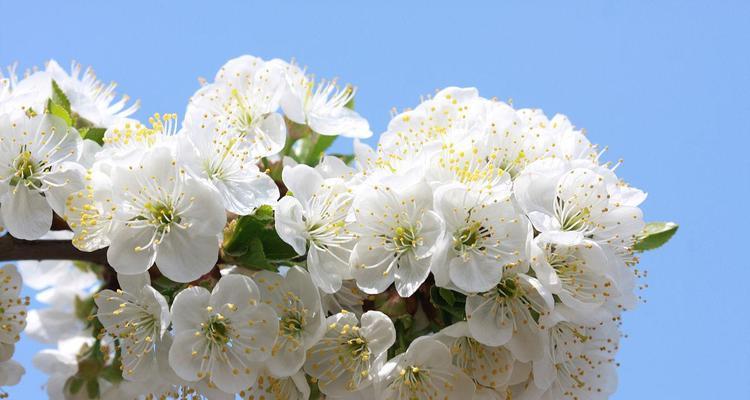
138, 316
578, 364
508, 315
242, 100
163, 214
37, 172
301, 320
223, 157
89, 98
570, 201
58, 285
397, 233
222, 336
425, 371
347, 358
488, 366
483, 235
322, 106
313, 221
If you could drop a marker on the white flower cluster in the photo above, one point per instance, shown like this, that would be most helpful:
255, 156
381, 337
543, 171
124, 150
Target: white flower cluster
506, 207
478, 252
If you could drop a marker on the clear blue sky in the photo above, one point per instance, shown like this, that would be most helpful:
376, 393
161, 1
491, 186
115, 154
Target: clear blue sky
666, 86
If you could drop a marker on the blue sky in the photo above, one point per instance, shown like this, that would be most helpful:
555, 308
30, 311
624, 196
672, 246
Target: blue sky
666, 86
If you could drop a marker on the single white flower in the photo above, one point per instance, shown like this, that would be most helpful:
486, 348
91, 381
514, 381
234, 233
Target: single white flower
425, 371
222, 336
163, 214
222, 156
413, 136
348, 357
397, 234
269, 387
321, 106
242, 100
313, 221
488, 366
37, 172
484, 234
90, 98
58, 285
578, 364
138, 316
570, 201
60, 364
12, 306
580, 275
509, 315
296, 301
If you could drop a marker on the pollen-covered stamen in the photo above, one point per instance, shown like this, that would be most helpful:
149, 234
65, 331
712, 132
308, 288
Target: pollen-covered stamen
216, 330
577, 280
573, 218
471, 238
138, 329
404, 238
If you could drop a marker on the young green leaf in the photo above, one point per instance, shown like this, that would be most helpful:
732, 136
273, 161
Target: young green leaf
655, 235
59, 97
59, 111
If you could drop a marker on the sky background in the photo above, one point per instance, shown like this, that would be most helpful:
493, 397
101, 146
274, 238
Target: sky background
666, 86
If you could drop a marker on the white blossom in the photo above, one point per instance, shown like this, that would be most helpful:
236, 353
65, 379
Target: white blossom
397, 234
425, 371
37, 172
296, 301
350, 354
138, 316
322, 106
222, 336
314, 222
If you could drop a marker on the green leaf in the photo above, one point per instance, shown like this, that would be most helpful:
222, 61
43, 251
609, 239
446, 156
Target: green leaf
255, 257
59, 111
321, 144
95, 134
59, 97
655, 235
251, 241
447, 295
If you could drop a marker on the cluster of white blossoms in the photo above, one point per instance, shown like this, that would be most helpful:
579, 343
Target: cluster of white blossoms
479, 252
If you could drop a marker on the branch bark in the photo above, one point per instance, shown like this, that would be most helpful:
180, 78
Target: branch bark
12, 249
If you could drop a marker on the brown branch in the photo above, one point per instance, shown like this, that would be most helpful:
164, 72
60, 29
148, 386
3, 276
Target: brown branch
12, 249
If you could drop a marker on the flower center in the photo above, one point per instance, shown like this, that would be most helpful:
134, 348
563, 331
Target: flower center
412, 376
470, 237
405, 239
217, 330
25, 168
292, 323
509, 288
162, 214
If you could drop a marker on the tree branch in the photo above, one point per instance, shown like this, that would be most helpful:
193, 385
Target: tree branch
12, 249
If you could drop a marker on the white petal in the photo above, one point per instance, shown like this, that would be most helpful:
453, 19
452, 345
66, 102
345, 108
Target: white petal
26, 213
